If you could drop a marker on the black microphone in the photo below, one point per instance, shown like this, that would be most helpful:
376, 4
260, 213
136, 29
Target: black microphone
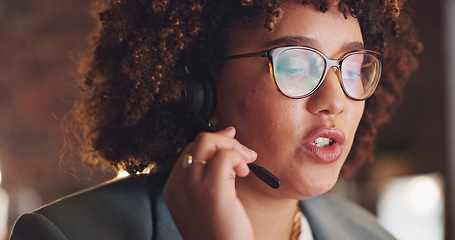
266, 176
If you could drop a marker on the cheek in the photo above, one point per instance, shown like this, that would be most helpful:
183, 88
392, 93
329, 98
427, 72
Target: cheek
240, 91
248, 100
355, 115
358, 107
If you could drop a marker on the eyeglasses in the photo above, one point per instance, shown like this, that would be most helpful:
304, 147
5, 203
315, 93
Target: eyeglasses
299, 71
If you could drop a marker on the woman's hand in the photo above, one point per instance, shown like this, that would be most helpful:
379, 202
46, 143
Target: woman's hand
201, 196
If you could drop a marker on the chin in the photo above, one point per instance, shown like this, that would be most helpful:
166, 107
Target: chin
312, 192
311, 186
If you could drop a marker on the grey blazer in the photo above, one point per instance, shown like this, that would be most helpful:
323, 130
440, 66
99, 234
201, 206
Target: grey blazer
134, 208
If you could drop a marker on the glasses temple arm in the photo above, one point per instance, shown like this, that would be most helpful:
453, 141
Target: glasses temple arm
246, 55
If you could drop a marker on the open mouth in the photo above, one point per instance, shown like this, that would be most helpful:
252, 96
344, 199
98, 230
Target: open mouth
322, 142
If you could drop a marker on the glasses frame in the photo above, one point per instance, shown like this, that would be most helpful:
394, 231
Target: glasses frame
329, 63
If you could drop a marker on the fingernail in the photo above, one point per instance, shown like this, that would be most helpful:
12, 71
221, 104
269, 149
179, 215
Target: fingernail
230, 128
230, 131
253, 154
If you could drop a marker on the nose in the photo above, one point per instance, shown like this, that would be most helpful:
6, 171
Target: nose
329, 98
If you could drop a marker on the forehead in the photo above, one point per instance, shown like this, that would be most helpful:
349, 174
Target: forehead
299, 24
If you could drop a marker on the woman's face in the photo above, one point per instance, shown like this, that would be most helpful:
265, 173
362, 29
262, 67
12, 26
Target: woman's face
283, 130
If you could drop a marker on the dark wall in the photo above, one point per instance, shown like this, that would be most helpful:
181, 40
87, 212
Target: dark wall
40, 42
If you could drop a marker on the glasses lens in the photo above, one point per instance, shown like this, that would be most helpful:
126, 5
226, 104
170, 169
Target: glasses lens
298, 71
360, 74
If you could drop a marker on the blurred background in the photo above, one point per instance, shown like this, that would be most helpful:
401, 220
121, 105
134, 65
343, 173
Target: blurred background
410, 186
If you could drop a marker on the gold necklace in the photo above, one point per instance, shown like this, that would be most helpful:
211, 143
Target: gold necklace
296, 229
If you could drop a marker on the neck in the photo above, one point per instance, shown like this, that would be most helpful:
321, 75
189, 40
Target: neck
271, 217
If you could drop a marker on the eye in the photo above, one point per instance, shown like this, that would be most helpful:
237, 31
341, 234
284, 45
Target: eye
300, 63
298, 71
291, 65
358, 74
351, 74
352, 65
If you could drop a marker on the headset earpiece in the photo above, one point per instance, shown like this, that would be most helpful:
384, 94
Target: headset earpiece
200, 94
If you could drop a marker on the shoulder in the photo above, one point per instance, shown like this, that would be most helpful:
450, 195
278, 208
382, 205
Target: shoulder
121, 195
333, 217
120, 209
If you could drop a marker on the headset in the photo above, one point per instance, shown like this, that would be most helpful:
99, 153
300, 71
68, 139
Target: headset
200, 103
200, 95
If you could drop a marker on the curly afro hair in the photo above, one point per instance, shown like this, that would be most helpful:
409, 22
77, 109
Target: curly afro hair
133, 79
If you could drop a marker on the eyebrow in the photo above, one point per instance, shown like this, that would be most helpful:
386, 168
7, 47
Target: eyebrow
306, 41
291, 40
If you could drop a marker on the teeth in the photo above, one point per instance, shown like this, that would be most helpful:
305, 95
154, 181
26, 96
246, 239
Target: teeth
322, 142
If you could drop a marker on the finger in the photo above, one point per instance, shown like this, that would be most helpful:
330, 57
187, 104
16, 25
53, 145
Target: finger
206, 144
202, 150
192, 171
229, 132
183, 170
225, 165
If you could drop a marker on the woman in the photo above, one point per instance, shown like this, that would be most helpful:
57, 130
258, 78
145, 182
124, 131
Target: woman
293, 86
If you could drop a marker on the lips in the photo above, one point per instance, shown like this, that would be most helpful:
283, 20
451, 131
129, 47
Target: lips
324, 145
